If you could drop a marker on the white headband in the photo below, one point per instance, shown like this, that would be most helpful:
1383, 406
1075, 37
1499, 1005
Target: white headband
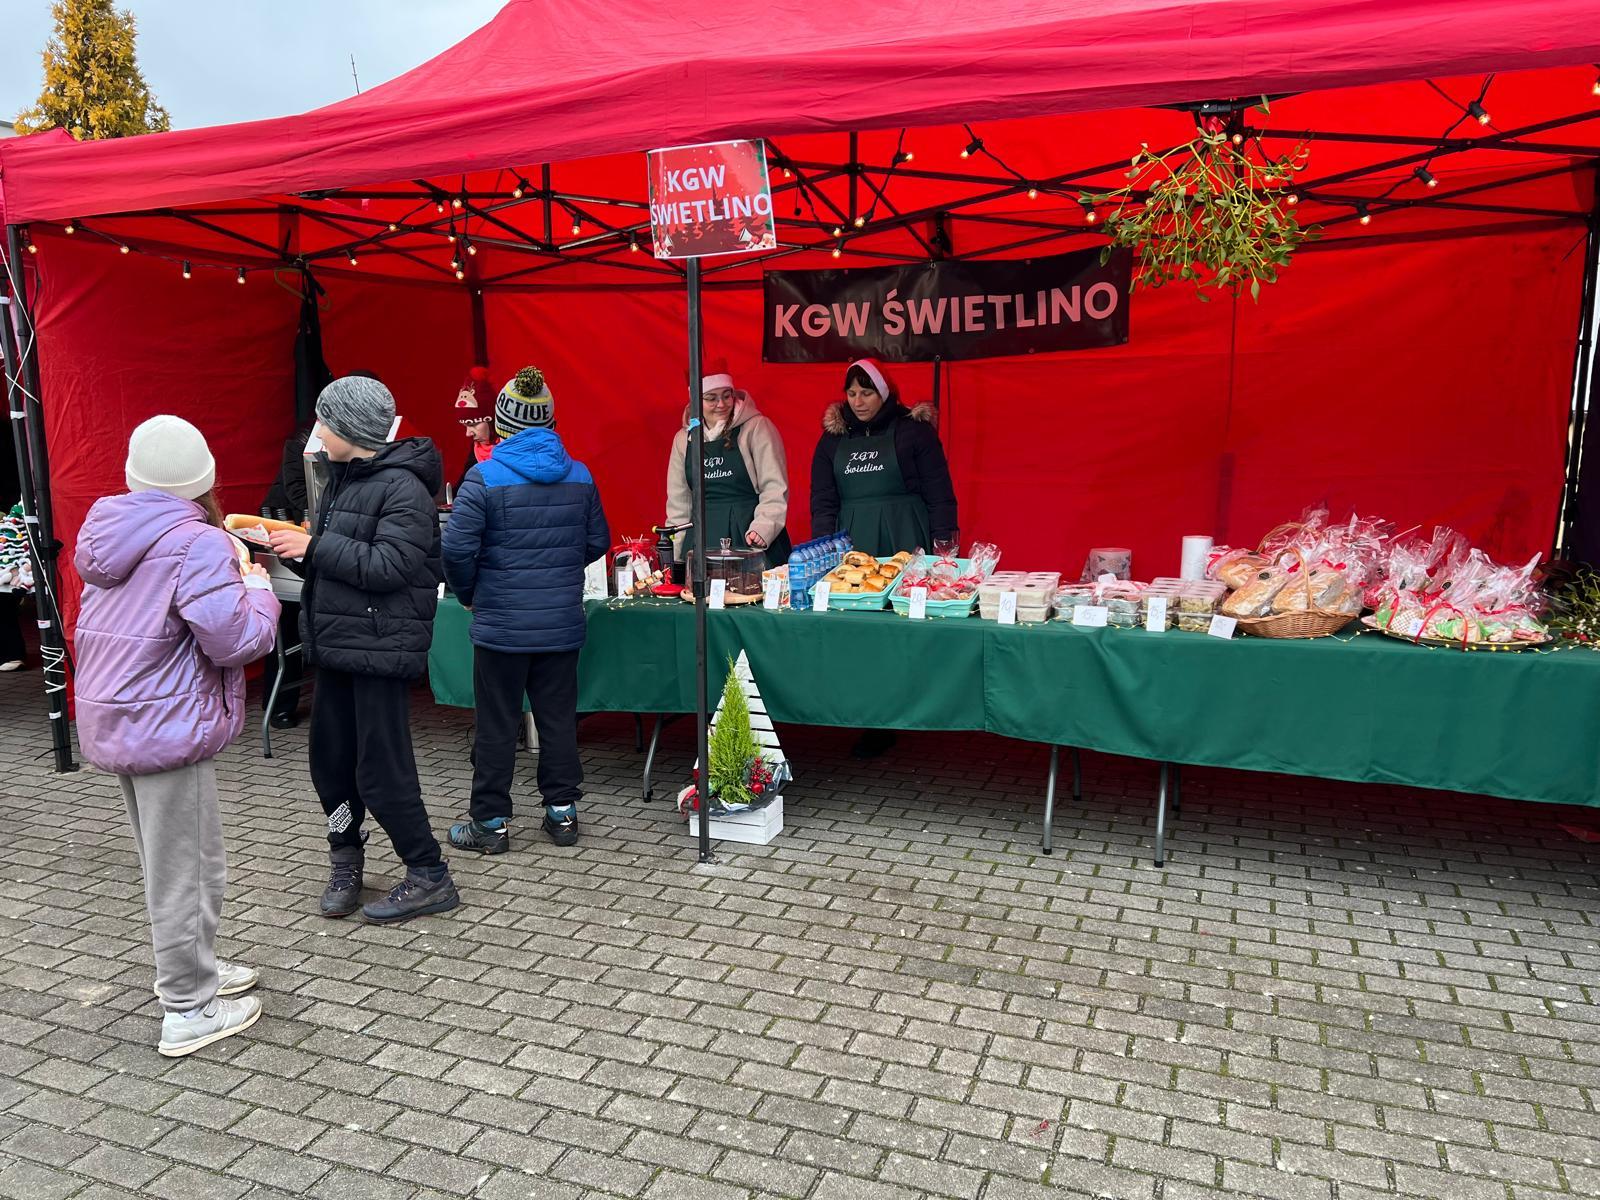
874, 373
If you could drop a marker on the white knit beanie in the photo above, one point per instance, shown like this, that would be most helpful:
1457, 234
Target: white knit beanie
167, 454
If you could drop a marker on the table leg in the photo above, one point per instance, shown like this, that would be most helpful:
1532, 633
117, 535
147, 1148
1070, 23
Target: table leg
272, 698
1077, 777
1161, 819
1050, 795
650, 757
1177, 791
638, 733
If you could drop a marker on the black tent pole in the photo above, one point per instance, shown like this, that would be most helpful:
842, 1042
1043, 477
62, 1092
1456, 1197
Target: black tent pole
697, 560
22, 380
1583, 395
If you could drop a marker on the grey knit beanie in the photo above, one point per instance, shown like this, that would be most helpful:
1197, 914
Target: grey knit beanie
359, 410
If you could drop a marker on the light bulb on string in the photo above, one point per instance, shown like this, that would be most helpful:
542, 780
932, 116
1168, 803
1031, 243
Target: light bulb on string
521, 188
124, 249
240, 277
32, 249
460, 274
1476, 111
438, 206
69, 229
838, 250
393, 228
1090, 214
1595, 89
577, 226
1363, 214
352, 256
458, 203
1033, 193
860, 222
1238, 139
471, 249
1426, 176
972, 147
188, 271
455, 264
1292, 199
838, 231
633, 244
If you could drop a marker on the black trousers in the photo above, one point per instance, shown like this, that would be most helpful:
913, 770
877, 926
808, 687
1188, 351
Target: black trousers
11, 647
361, 762
288, 635
550, 682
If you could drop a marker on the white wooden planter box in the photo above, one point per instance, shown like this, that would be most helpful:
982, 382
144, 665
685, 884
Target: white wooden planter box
753, 828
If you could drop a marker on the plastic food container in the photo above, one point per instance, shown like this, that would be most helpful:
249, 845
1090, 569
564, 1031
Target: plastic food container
1071, 597
1035, 591
739, 569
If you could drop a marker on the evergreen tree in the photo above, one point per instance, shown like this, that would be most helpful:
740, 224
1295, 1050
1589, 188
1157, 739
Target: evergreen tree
732, 744
93, 87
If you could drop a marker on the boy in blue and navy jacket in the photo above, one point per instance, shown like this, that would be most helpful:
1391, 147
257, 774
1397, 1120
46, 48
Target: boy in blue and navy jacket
525, 524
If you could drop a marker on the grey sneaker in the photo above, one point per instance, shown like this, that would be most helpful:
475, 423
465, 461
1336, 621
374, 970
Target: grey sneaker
232, 978
182, 1035
342, 896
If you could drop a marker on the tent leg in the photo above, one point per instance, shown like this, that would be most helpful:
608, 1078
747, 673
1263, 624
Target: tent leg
1576, 539
33, 469
1077, 777
702, 711
1050, 797
1177, 791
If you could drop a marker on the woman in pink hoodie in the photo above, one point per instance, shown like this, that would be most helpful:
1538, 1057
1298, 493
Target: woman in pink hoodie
170, 617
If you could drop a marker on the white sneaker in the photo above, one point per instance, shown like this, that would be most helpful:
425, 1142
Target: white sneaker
182, 1035
232, 978
14, 664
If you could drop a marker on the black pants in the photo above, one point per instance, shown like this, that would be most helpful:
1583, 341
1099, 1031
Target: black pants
289, 635
550, 681
11, 647
361, 762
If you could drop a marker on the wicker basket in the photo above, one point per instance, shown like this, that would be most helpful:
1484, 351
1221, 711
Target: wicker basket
1309, 622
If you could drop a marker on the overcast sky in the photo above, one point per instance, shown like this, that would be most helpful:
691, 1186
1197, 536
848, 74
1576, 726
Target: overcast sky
215, 61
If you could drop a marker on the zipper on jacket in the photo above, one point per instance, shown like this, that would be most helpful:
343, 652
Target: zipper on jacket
308, 593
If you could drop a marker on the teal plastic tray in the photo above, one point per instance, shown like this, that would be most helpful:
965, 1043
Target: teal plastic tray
936, 608
859, 601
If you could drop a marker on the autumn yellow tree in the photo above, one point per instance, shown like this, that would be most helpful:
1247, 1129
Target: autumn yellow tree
93, 87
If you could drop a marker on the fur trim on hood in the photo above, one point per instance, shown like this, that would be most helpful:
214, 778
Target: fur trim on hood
834, 422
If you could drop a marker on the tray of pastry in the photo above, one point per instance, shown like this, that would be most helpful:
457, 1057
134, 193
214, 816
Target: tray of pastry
861, 581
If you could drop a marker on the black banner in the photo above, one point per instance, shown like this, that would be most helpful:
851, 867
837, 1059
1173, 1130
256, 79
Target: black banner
949, 310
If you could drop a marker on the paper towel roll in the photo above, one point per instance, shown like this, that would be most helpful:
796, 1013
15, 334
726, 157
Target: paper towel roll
1196, 550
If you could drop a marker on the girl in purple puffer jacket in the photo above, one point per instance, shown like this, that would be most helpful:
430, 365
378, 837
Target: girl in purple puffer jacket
169, 619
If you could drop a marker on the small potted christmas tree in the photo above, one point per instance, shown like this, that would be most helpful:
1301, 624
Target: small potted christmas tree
741, 778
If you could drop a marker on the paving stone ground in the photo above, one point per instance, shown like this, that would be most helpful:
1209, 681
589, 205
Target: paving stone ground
1329, 993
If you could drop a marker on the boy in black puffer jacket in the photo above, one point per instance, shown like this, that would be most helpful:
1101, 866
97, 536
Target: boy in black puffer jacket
525, 524
372, 571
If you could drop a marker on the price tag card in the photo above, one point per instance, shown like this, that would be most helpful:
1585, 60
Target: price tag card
919, 604
1008, 608
624, 581
1222, 627
717, 594
1090, 616
771, 593
1155, 614
1108, 577
819, 596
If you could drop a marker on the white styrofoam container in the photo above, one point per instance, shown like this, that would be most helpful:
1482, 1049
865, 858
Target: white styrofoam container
753, 828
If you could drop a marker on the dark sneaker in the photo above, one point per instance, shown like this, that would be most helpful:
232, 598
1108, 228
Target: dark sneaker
561, 823
873, 743
285, 720
342, 896
486, 837
414, 896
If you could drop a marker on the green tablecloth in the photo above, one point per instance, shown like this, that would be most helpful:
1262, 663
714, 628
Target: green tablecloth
1524, 725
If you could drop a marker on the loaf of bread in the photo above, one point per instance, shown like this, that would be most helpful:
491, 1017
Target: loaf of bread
1255, 598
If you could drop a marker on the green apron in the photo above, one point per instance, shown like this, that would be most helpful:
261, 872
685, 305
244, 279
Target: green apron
730, 499
881, 517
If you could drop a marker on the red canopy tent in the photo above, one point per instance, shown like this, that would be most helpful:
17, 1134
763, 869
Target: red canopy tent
1375, 375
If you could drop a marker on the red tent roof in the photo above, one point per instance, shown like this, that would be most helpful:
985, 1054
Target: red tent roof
554, 82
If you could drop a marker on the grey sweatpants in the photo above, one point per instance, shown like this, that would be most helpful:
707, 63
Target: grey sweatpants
178, 830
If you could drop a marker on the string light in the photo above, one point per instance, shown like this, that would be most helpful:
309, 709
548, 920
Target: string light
838, 231
352, 255
438, 206
32, 249
471, 249
788, 174
633, 243
460, 274
1426, 176
125, 249
1033, 193
1596, 88
1238, 139
455, 263
188, 271
577, 226
521, 188
975, 145
1292, 199
393, 228
240, 277
1363, 214
69, 229
1476, 111
1089, 213
458, 203
838, 250
860, 222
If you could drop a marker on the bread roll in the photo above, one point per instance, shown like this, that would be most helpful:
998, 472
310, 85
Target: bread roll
889, 570
875, 583
854, 575
256, 529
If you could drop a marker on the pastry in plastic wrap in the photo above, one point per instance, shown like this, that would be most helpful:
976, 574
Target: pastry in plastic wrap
1325, 587
1255, 598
